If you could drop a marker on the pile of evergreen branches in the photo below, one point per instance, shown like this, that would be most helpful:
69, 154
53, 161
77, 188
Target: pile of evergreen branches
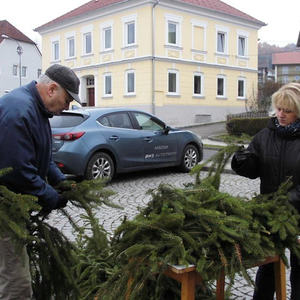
202, 226
196, 225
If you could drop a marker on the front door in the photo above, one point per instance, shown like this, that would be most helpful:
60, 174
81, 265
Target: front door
91, 96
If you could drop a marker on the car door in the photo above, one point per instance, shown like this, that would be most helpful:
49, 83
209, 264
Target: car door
159, 145
123, 139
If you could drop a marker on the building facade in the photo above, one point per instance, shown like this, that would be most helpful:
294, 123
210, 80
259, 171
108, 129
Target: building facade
20, 58
185, 61
287, 66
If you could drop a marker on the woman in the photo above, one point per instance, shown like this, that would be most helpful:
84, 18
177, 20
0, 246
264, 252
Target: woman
274, 155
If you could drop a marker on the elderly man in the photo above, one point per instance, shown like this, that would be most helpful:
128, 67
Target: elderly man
25, 146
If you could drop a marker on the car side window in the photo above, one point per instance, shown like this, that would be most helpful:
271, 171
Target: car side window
146, 122
118, 120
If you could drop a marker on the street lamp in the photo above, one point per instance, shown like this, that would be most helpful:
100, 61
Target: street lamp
19, 51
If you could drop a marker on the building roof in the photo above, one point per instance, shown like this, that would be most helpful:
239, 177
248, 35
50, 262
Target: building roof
213, 5
286, 58
12, 32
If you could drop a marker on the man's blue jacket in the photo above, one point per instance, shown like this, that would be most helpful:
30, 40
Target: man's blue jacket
25, 145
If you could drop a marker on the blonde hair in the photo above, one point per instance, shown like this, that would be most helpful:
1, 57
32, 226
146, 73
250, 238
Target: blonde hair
288, 97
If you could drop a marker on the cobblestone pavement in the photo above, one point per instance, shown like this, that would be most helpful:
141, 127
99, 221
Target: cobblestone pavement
131, 194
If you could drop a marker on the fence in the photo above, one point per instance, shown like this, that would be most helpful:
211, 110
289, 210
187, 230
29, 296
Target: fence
248, 114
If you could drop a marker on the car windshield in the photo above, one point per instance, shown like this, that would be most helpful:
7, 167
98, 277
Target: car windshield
66, 121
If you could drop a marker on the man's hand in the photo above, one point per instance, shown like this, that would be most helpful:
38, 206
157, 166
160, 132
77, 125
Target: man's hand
62, 202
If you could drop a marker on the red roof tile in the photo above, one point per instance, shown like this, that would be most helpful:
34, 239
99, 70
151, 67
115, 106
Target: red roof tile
215, 5
286, 58
12, 32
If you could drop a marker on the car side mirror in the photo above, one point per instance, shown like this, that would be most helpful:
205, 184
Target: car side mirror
166, 129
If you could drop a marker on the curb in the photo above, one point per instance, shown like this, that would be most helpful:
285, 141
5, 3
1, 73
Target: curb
199, 124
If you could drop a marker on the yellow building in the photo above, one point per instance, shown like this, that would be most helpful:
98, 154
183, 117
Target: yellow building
186, 61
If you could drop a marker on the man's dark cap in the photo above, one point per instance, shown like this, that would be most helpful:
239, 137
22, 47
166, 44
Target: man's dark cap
66, 78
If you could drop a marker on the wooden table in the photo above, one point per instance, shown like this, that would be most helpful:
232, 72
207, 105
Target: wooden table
189, 278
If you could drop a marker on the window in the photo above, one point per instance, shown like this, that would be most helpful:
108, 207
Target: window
130, 82
285, 79
222, 33
107, 85
118, 120
55, 50
241, 46
285, 70
129, 37
87, 43
173, 29
241, 88
173, 82
107, 38
221, 42
146, 122
242, 43
24, 71
71, 47
106, 30
39, 73
172, 33
15, 70
221, 92
130, 33
198, 85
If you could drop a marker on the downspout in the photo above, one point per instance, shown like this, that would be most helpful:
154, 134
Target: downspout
153, 57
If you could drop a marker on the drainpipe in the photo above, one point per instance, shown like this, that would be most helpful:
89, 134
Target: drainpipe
153, 56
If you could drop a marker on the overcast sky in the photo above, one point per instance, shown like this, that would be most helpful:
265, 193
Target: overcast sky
282, 17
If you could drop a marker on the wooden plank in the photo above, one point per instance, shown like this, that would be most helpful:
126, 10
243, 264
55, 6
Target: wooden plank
280, 281
188, 285
220, 290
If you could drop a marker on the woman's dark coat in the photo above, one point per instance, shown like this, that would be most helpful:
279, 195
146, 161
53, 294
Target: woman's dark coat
274, 157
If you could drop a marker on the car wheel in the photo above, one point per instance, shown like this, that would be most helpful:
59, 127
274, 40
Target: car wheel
190, 158
100, 166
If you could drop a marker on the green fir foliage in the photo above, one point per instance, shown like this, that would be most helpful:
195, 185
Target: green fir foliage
196, 225
202, 226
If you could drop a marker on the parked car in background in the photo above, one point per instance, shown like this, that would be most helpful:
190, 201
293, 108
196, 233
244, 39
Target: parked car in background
102, 142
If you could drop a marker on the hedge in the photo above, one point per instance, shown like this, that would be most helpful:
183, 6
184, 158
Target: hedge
249, 126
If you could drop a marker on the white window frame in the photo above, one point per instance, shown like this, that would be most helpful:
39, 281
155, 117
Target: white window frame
285, 70
177, 20
225, 31
55, 48
126, 22
39, 73
176, 72
85, 41
103, 28
127, 92
245, 36
85, 31
201, 84
24, 71
106, 75
70, 36
223, 96
15, 70
244, 88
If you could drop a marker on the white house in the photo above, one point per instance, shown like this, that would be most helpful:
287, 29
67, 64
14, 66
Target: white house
20, 58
